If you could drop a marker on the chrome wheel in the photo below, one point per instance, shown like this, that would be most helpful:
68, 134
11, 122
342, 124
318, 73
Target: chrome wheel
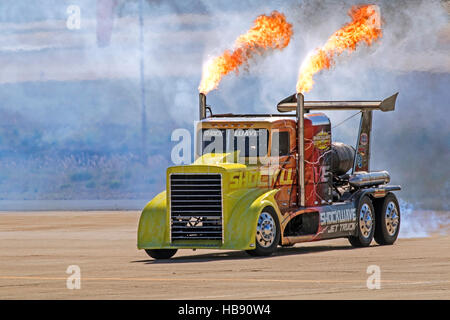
366, 224
266, 230
391, 218
365, 221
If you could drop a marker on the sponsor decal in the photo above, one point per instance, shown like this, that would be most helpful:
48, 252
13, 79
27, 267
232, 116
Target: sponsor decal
322, 140
364, 139
359, 160
362, 150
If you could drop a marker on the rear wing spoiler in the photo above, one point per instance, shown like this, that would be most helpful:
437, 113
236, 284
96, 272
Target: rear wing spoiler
361, 161
290, 104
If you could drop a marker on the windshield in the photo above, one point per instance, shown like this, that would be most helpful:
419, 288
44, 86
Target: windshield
249, 142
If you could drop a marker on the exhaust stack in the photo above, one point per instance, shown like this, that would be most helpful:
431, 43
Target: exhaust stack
202, 106
301, 148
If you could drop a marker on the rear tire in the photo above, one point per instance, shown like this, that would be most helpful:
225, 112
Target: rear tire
267, 234
161, 253
388, 221
365, 225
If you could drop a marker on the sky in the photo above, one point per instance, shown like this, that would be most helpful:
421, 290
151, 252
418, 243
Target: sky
63, 93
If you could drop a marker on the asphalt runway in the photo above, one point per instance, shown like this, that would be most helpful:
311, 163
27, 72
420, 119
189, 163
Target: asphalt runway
36, 248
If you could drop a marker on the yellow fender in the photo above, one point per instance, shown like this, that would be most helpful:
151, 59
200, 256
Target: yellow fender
153, 231
241, 226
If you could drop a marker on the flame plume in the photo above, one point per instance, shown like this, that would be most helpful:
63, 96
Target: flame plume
268, 32
365, 27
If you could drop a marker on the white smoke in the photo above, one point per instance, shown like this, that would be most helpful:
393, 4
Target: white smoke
416, 223
412, 57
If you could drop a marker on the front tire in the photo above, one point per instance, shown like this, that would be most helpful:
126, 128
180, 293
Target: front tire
365, 224
161, 253
267, 234
388, 221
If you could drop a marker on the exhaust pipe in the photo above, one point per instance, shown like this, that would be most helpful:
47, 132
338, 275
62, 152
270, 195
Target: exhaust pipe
202, 106
368, 179
301, 148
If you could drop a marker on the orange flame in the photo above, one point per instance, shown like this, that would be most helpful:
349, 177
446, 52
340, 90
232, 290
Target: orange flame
365, 26
268, 32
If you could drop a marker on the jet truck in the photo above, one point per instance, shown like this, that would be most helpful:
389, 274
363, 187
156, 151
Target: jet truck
260, 181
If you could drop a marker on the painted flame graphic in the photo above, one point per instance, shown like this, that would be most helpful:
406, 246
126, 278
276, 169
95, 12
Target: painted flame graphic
364, 27
268, 32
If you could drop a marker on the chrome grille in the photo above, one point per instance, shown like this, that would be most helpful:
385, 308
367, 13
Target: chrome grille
196, 206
